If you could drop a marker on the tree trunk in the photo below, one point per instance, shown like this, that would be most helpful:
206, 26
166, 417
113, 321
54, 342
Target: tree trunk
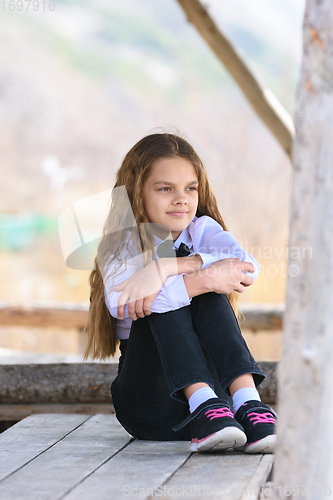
305, 403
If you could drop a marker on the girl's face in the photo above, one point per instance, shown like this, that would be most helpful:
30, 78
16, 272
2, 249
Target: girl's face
170, 194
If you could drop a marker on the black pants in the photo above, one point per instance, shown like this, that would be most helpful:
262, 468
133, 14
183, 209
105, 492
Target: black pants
166, 352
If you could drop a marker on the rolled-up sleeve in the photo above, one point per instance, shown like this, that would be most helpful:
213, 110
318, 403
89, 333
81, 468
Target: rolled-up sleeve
208, 258
127, 268
173, 295
213, 243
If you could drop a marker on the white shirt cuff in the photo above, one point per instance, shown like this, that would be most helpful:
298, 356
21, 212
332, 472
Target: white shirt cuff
172, 296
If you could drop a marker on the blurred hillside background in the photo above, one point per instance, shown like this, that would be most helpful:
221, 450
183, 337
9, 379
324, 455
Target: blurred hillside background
79, 85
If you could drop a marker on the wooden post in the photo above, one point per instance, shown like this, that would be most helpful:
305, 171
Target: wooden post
304, 458
261, 98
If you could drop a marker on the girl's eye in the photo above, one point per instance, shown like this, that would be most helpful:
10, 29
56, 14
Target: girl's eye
191, 188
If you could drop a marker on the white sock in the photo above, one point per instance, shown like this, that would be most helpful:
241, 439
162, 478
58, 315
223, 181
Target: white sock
244, 394
200, 396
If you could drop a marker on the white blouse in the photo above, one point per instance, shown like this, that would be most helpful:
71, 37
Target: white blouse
205, 237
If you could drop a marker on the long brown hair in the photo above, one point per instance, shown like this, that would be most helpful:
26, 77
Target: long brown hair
135, 169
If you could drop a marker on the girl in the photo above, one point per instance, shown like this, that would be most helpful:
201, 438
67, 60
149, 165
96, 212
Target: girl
165, 286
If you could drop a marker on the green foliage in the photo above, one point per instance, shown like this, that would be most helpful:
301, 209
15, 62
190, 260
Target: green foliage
18, 232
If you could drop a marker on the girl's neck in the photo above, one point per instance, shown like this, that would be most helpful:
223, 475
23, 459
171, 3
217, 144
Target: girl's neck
161, 231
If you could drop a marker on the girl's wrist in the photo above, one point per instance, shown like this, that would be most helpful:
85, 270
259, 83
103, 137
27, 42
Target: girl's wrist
171, 266
206, 281
197, 283
167, 266
159, 271
188, 265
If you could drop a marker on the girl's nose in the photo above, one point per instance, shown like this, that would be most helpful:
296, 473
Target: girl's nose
180, 198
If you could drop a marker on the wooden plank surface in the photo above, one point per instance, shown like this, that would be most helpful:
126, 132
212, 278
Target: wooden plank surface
51, 474
32, 436
259, 478
97, 459
168, 470
142, 464
211, 475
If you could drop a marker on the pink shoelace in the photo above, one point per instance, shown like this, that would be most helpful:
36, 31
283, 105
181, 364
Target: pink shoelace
262, 418
219, 412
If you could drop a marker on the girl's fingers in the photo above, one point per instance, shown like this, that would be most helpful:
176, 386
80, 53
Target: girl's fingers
139, 303
121, 312
240, 288
131, 311
139, 308
146, 308
147, 304
246, 280
122, 301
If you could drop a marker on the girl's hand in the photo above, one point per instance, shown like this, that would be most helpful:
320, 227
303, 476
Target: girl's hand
227, 275
140, 289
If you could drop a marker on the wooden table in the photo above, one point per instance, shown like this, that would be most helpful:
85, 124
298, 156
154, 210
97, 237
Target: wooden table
82, 457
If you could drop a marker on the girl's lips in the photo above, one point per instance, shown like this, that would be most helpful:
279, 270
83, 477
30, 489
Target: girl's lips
177, 214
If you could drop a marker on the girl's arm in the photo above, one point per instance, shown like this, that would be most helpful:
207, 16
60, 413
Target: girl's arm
146, 292
214, 244
128, 268
174, 292
159, 282
222, 276
180, 265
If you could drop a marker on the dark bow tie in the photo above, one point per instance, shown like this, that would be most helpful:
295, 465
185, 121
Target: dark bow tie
166, 249
183, 250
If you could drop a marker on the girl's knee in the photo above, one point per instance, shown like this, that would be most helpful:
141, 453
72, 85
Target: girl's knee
210, 299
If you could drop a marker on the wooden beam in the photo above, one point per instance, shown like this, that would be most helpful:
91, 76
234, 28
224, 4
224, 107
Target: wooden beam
80, 383
262, 316
67, 315
61, 383
261, 98
63, 315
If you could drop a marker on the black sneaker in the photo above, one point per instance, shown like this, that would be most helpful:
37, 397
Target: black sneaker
259, 423
213, 427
